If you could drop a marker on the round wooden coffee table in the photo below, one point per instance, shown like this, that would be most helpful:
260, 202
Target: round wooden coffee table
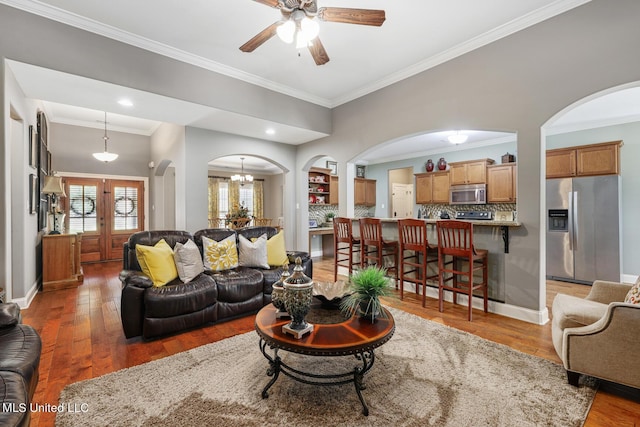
333, 335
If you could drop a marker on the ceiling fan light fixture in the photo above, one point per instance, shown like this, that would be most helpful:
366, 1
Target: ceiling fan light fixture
286, 31
458, 138
309, 28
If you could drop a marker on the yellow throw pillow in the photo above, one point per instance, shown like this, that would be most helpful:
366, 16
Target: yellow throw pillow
157, 262
222, 255
276, 251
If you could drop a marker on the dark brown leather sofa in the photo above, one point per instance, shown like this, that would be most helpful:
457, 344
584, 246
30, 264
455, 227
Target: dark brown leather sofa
20, 349
149, 311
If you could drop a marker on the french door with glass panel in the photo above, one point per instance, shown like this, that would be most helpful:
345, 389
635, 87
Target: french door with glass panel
106, 211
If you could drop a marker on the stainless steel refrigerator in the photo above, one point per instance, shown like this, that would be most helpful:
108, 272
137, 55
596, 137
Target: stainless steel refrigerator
583, 229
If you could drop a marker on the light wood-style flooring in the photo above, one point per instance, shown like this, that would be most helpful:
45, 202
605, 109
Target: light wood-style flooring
82, 337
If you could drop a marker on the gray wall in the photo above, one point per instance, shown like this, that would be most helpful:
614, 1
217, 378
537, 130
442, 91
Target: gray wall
630, 182
515, 84
71, 148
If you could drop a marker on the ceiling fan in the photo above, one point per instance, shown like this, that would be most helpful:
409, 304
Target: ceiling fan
298, 23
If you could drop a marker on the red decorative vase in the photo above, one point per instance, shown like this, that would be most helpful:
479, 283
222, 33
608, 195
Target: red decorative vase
442, 164
429, 165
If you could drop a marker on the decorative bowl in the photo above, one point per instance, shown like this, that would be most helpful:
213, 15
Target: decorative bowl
331, 294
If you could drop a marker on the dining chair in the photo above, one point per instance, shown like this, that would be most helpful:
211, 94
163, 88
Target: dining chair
345, 246
375, 248
455, 239
415, 256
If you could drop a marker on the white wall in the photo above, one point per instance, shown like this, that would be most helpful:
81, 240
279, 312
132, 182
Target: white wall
167, 149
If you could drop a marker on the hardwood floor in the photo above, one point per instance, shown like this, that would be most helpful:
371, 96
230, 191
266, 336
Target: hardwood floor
82, 337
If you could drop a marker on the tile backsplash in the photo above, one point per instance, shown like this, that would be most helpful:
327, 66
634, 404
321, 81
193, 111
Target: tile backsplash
433, 210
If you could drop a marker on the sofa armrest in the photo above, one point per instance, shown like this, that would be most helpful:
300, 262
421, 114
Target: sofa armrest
605, 348
608, 292
135, 278
9, 314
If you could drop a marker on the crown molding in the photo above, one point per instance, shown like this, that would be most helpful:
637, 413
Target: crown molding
90, 25
502, 31
74, 20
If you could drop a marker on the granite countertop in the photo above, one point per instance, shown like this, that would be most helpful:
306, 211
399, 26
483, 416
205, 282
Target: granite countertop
491, 223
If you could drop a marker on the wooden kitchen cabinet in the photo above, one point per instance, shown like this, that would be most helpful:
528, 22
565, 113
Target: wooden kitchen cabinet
501, 183
61, 261
432, 187
469, 172
584, 160
365, 192
323, 187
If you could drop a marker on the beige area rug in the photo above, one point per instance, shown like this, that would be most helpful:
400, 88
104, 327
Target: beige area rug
426, 375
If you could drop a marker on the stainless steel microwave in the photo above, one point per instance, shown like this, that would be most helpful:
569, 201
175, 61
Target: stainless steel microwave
473, 194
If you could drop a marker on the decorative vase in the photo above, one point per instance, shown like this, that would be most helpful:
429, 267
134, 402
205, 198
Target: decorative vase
298, 293
442, 164
429, 165
277, 294
366, 311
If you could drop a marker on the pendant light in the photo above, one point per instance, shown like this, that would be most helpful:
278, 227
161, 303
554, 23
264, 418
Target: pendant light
105, 156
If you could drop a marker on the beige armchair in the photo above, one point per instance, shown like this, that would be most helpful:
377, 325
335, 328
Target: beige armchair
599, 335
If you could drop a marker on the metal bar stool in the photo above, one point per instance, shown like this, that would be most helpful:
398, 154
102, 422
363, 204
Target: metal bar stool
344, 245
412, 238
375, 248
455, 239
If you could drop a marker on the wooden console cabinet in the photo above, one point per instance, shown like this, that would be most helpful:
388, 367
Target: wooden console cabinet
61, 261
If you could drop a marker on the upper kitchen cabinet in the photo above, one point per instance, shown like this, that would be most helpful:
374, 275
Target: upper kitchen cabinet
501, 183
469, 172
323, 187
432, 187
584, 160
365, 192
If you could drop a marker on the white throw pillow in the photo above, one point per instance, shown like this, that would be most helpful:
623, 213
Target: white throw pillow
188, 260
253, 254
222, 255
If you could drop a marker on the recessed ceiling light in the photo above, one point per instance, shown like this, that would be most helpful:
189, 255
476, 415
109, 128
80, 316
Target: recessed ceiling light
125, 102
270, 131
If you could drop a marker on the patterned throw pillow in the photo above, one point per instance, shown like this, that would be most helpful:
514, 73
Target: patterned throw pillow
188, 260
633, 296
219, 256
157, 262
253, 254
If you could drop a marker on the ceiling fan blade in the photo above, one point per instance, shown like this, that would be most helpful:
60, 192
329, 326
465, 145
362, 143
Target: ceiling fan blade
317, 51
272, 3
352, 16
260, 38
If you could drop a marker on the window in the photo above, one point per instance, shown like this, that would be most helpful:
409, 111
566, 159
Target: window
246, 198
125, 208
83, 215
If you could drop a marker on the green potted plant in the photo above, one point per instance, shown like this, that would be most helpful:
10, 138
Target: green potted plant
329, 217
367, 286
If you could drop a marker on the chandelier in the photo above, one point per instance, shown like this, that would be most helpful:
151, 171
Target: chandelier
242, 177
105, 156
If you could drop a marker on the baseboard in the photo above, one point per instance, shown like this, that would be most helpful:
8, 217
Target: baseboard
25, 301
629, 278
538, 317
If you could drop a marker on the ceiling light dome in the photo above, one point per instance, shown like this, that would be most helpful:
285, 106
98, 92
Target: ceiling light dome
105, 156
458, 138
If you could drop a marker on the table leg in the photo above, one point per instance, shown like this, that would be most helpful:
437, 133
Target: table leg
358, 377
273, 370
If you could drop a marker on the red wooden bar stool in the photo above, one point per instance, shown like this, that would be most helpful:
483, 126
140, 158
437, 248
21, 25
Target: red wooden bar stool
412, 238
375, 248
344, 246
455, 239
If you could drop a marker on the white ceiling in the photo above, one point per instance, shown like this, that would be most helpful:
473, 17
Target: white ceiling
417, 35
